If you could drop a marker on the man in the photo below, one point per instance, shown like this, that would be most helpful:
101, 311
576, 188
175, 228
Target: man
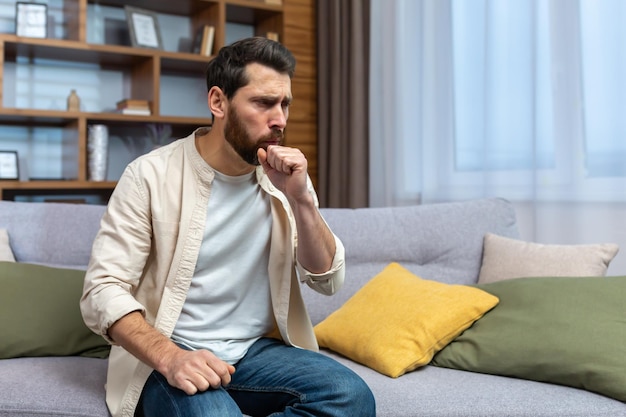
198, 258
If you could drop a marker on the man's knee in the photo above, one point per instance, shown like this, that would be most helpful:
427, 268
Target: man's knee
159, 399
356, 393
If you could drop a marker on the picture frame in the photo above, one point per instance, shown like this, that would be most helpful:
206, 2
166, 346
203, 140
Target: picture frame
31, 19
143, 26
9, 168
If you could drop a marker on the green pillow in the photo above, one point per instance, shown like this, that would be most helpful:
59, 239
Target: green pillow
568, 331
40, 313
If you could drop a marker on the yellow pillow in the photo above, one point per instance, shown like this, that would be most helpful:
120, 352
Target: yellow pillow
397, 321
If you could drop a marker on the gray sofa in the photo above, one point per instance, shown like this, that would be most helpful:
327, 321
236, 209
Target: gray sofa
433, 241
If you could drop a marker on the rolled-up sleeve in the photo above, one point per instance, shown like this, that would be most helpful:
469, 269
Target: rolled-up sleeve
329, 282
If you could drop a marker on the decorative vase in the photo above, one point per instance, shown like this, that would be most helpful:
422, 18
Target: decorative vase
97, 152
73, 101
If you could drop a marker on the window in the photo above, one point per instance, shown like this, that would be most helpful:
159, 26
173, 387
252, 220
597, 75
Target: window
539, 93
603, 32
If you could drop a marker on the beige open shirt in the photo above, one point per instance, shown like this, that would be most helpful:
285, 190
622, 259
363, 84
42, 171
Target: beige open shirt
145, 254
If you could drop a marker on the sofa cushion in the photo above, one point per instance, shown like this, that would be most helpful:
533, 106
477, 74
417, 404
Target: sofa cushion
397, 321
68, 386
6, 254
40, 314
505, 258
432, 391
564, 330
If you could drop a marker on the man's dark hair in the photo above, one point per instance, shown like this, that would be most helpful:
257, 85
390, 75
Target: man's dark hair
227, 69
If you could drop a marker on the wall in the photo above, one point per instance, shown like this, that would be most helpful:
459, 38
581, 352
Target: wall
301, 39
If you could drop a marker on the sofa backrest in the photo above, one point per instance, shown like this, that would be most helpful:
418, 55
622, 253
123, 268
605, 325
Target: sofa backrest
58, 234
441, 242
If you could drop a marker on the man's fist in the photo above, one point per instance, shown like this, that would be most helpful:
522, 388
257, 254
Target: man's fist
287, 170
197, 371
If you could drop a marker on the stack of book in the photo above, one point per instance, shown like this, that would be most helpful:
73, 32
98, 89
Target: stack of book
134, 107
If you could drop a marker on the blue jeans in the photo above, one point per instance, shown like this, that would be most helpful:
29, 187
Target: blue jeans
271, 380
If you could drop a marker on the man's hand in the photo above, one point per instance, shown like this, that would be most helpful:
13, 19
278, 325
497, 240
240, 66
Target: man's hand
197, 371
287, 170
190, 371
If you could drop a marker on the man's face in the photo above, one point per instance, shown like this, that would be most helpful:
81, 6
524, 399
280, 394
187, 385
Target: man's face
257, 114
241, 141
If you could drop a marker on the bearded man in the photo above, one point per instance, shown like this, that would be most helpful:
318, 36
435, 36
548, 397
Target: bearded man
195, 271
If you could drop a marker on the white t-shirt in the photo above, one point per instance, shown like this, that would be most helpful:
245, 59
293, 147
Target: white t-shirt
228, 306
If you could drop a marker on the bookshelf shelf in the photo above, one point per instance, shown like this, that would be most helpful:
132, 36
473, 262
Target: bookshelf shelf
143, 70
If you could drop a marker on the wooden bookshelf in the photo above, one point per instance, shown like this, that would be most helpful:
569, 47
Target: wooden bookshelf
145, 69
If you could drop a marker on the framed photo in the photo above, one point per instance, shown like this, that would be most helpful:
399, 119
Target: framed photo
8, 166
31, 19
143, 26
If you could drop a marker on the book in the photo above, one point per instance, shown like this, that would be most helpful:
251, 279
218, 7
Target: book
128, 103
136, 112
203, 42
272, 36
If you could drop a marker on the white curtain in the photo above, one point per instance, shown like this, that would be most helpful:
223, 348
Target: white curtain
521, 99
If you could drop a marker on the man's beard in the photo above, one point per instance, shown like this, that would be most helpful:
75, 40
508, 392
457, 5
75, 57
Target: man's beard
237, 136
